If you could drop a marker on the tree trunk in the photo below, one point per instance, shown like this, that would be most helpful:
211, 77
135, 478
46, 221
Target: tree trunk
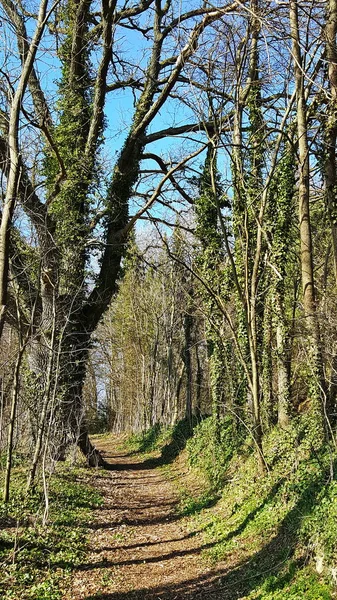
198, 382
15, 397
188, 323
330, 136
317, 382
14, 159
283, 375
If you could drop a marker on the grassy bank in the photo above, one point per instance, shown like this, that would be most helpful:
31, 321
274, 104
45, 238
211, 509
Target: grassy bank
277, 532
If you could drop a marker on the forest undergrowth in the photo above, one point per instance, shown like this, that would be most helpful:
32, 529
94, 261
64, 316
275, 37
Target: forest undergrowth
38, 551
272, 536
281, 525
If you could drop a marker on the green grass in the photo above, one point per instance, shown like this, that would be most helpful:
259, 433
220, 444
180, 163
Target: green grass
272, 528
149, 440
36, 559
294, 583
190, 505
169, 440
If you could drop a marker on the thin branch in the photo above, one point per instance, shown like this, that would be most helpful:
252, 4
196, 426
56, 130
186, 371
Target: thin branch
157, 191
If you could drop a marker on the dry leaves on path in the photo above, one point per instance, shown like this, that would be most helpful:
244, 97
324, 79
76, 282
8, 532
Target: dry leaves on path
139, 546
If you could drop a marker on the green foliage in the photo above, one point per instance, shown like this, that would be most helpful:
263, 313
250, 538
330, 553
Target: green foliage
180, 434
36, 557
171, 440
147, 440
191, 506
211, 449
275, 526
70, 176
294, 584
320, 529
207, 206
210, 264
18, 458
280, 215
256, 140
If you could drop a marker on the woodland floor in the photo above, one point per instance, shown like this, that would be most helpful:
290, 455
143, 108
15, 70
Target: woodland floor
139, 545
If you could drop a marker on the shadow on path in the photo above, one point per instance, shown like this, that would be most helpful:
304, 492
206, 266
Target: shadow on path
152, 559
148, 544
181, 433
133, 522
229, 581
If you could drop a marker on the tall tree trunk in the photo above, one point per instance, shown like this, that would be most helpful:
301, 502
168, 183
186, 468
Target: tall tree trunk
198, 382
14, 159
317, 382
188, 323
267, 365
330, 136
42, 420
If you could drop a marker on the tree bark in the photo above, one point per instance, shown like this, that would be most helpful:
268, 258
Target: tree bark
317, 382
14, 159
330, 136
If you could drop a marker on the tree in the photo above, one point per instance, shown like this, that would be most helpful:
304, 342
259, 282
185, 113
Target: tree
306, 246
58, 187
147, 338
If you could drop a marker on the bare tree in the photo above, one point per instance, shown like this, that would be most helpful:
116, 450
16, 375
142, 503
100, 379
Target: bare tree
59, 187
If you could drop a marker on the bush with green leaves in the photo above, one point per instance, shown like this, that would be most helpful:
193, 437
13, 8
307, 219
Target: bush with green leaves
320, 529
211, 449
148, 440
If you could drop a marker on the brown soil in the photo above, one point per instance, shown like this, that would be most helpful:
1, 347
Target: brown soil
139, 547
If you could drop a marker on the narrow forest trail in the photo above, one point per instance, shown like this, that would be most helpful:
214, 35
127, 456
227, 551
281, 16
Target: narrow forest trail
139, 547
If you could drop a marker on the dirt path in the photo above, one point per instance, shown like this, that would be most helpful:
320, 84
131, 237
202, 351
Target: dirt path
139, 547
